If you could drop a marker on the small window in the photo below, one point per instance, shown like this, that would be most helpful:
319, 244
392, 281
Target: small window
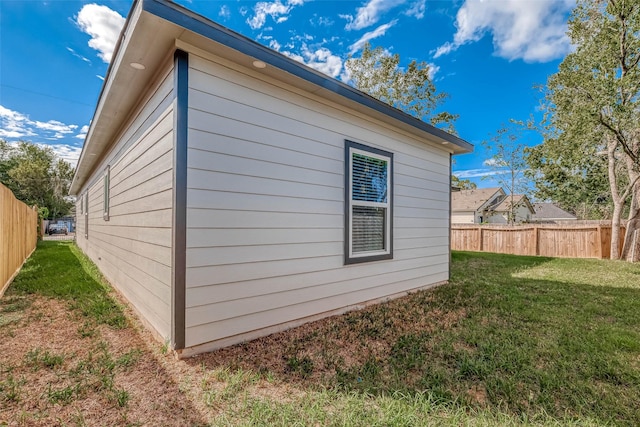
368, 204
105, 213
81, 204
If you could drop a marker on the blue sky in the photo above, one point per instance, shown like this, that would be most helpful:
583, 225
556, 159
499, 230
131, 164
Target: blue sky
486, 54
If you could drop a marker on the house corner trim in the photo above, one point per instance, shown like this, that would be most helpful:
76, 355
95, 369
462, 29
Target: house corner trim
179, 226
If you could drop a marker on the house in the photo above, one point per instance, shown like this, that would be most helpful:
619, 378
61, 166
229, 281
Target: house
474, 206
229, 192
549, 212
522, 210
488, 205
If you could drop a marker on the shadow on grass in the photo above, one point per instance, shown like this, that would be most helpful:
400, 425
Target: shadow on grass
57, 269
105, 366
489, 339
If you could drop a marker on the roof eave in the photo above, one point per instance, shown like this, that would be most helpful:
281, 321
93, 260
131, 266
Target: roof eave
211, 30
111, 107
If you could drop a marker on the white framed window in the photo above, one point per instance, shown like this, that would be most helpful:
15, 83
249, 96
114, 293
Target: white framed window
368, 203
105, 211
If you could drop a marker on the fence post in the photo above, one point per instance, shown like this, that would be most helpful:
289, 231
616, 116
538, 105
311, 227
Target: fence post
479, 239
600, 240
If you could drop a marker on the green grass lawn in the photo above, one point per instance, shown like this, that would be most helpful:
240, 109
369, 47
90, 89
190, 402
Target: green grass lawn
59, 269
509, 341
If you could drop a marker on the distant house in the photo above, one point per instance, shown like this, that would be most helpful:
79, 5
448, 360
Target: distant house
229, 192
473, 206
549, 212
488, 205
523, 210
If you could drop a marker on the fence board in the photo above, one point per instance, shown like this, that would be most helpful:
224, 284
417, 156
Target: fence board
18, 235
564, 241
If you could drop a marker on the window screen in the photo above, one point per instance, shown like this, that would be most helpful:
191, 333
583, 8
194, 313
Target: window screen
368, 218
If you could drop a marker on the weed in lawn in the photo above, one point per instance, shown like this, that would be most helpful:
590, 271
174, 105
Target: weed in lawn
96, 372
407, 353
63, 395
10, 319
129, 359
120, 397
86, 330
14, 304
11, 310
302, 366
37, 358
10, 388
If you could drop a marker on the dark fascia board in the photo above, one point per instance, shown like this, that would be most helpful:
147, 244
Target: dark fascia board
202, 26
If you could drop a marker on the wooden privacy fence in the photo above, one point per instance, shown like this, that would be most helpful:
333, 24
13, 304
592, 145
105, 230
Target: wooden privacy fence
566, 241
18, 235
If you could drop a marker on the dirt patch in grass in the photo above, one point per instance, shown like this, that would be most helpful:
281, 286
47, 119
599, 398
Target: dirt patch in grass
51, 375
316, 352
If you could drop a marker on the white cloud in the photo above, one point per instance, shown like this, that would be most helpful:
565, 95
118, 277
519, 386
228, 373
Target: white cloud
294, 56
224, 12
378, 32
15, 125
100, 77
475, 173
321, 21
417, 9
493, 162
277, 10
77, 55
66, 152
321, 59
273, 44
433, 70
55, 126
370, 13
83, 132
103, 25
18, 126
533, 31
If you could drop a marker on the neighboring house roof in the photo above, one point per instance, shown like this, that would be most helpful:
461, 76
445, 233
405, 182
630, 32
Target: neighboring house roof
473, 200
551, 212
518, 200
154, 28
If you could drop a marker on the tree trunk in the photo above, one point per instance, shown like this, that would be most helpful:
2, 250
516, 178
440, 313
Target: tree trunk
631, 249
615, 228
618, 202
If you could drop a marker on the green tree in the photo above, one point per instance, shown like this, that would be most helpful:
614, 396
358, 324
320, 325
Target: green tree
463, 184
592, 104
508, 162
36, 176
409, 88
576, 180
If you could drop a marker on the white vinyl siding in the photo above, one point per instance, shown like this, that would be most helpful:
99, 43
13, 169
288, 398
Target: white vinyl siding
265, 206
464, 217
132, 188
